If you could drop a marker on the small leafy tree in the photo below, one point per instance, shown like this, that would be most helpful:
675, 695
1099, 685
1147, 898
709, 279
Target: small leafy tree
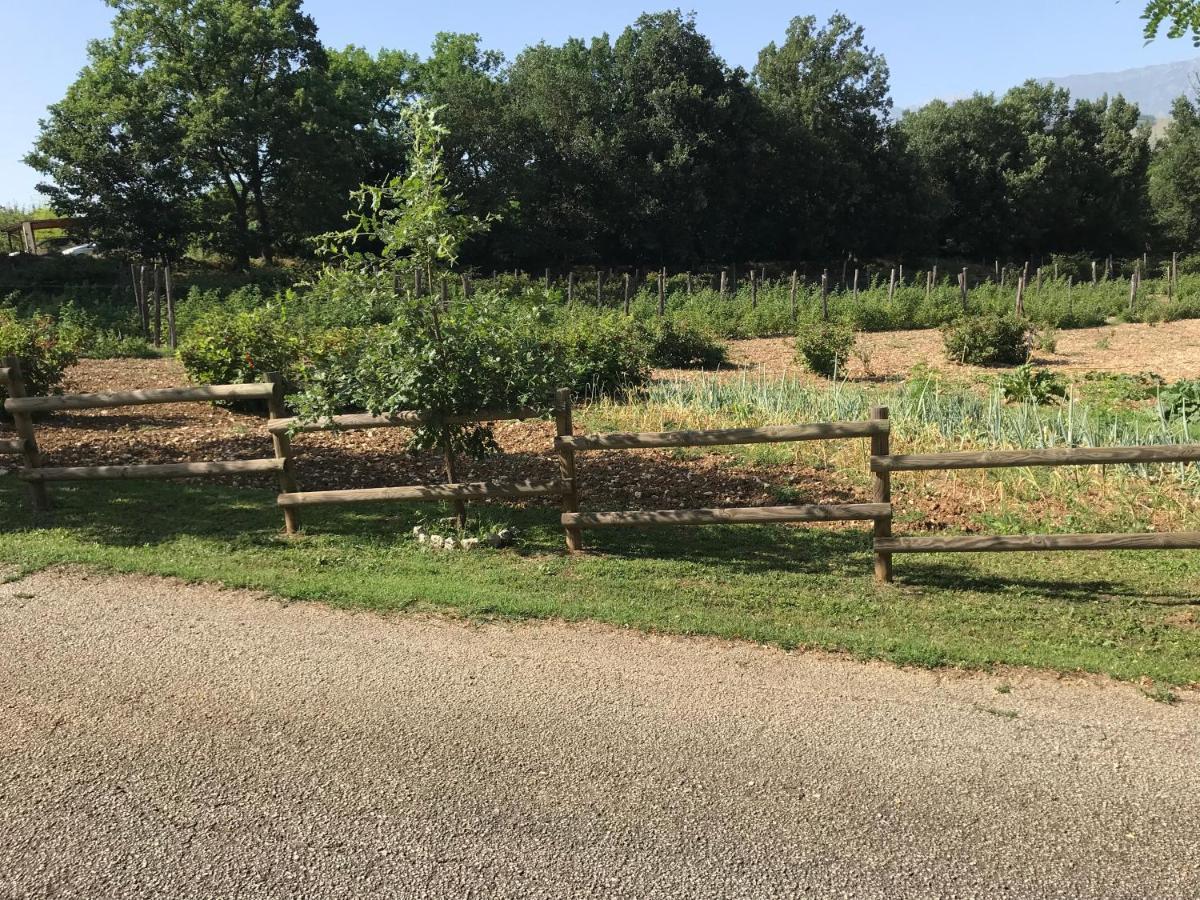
473, 355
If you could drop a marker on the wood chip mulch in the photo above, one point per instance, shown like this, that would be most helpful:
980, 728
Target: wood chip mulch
642, 479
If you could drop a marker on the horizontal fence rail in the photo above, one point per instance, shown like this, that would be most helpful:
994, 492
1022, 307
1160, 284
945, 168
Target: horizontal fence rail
883, 464
139, 398
153, 471
1050, 456
417, 492
879, 513
364, 421
1012, 543
36, 475
770, 434
850, 512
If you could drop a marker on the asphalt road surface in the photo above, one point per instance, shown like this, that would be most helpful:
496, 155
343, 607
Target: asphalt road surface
165, 740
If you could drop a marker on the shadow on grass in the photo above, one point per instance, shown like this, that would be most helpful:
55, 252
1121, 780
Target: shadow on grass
936, 575
148, 514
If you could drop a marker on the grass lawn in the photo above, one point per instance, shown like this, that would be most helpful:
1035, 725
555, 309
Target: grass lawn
1130, 615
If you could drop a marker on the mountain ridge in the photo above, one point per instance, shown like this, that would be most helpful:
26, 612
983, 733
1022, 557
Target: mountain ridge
1152, 88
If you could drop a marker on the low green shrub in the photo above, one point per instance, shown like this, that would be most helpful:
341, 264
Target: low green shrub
235, 347
678, 345
1181, 399
1026, 383
825, 346
601, 354
987, 340
44, 356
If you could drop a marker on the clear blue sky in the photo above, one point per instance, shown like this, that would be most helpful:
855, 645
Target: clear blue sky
936, 48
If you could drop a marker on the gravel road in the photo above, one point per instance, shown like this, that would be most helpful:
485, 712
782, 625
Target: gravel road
165, 740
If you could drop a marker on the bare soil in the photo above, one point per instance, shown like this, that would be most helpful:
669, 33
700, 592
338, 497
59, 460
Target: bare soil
1171, 350
646, 479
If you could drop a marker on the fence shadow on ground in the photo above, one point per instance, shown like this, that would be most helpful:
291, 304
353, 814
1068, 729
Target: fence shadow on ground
935, 574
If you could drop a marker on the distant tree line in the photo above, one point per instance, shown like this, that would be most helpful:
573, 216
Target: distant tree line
226, 125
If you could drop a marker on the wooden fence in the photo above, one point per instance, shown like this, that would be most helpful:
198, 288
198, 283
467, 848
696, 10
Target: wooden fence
883, 464
283, 429
22, 408
879, 511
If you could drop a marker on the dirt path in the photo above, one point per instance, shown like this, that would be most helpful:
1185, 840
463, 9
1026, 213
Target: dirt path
158, 739
1171, 350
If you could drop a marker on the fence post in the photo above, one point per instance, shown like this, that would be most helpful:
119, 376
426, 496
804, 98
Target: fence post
39, 499
566, 466
172, 335
283, 450
662, 292
881, 446
144, 303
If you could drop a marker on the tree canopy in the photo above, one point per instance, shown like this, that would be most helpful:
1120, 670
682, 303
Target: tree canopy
228, 126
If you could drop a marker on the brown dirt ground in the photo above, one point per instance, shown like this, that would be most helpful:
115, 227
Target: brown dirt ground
1171, 350
645, 479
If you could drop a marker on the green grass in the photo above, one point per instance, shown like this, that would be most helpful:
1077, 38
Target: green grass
792, 587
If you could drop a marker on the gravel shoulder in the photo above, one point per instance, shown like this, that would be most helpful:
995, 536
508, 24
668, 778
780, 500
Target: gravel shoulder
163, 739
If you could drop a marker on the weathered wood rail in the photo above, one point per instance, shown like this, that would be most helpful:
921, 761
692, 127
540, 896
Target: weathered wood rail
878, 512
883, 464
453, 490
36, 475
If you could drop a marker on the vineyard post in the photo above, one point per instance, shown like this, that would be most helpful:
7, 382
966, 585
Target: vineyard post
662, 292
792, 295
627, 294
892, 286
570, 287
157, 306
547, 278
1020, 304
928, 284
963, 287
997, 280
599, 288
1004, 277
753, 290
1133, 286
1056, 270
1093, 271
825, 295
724, 284
689, 282
466, 286
168, 284
144, 303
1039, 279
901, 281
855, 283
1175, 271
1025, 272
1070, 283
845, 263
